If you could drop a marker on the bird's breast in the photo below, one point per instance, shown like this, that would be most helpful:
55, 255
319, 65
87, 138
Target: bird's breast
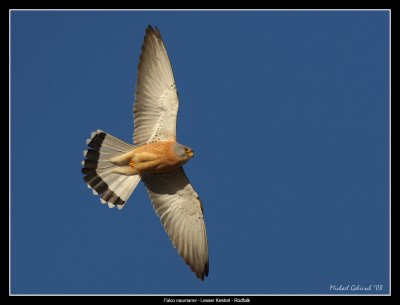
155, 158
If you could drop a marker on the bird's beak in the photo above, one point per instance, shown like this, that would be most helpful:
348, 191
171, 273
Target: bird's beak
190, 153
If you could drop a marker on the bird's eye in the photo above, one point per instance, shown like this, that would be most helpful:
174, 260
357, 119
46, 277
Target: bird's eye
186, 149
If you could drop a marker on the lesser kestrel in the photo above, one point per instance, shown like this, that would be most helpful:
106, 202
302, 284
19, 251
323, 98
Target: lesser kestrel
113, 168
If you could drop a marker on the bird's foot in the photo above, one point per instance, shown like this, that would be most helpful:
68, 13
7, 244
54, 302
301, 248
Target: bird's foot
132, 164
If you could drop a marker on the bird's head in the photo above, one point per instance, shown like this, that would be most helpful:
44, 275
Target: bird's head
183, 151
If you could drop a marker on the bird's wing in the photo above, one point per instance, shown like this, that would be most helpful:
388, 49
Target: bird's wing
181, 213
156, 98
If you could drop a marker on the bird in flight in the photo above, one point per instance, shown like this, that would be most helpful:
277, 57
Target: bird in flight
113, 168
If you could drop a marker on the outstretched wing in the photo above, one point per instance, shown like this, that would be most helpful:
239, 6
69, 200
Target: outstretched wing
181, 213
156, 99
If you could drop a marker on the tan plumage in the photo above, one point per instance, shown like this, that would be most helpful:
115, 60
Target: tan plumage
113, 168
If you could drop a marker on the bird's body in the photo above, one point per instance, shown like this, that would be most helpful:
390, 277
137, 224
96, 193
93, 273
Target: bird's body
152, 158
113, 168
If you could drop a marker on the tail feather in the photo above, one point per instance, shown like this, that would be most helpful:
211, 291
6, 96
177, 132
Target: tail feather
114, 188
105, 140
100, 166
126, 188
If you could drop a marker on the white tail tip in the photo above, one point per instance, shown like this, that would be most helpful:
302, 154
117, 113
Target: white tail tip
110, 205
84, 153
102, 201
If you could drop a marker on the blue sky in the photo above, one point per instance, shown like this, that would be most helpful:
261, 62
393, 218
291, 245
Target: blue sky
287, 112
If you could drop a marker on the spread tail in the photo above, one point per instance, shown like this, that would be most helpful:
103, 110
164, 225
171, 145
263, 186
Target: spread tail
100, 173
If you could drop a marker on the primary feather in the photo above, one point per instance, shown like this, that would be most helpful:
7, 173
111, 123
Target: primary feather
156, 98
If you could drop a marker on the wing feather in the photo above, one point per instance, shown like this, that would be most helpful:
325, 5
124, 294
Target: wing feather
156, 98
180, 211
